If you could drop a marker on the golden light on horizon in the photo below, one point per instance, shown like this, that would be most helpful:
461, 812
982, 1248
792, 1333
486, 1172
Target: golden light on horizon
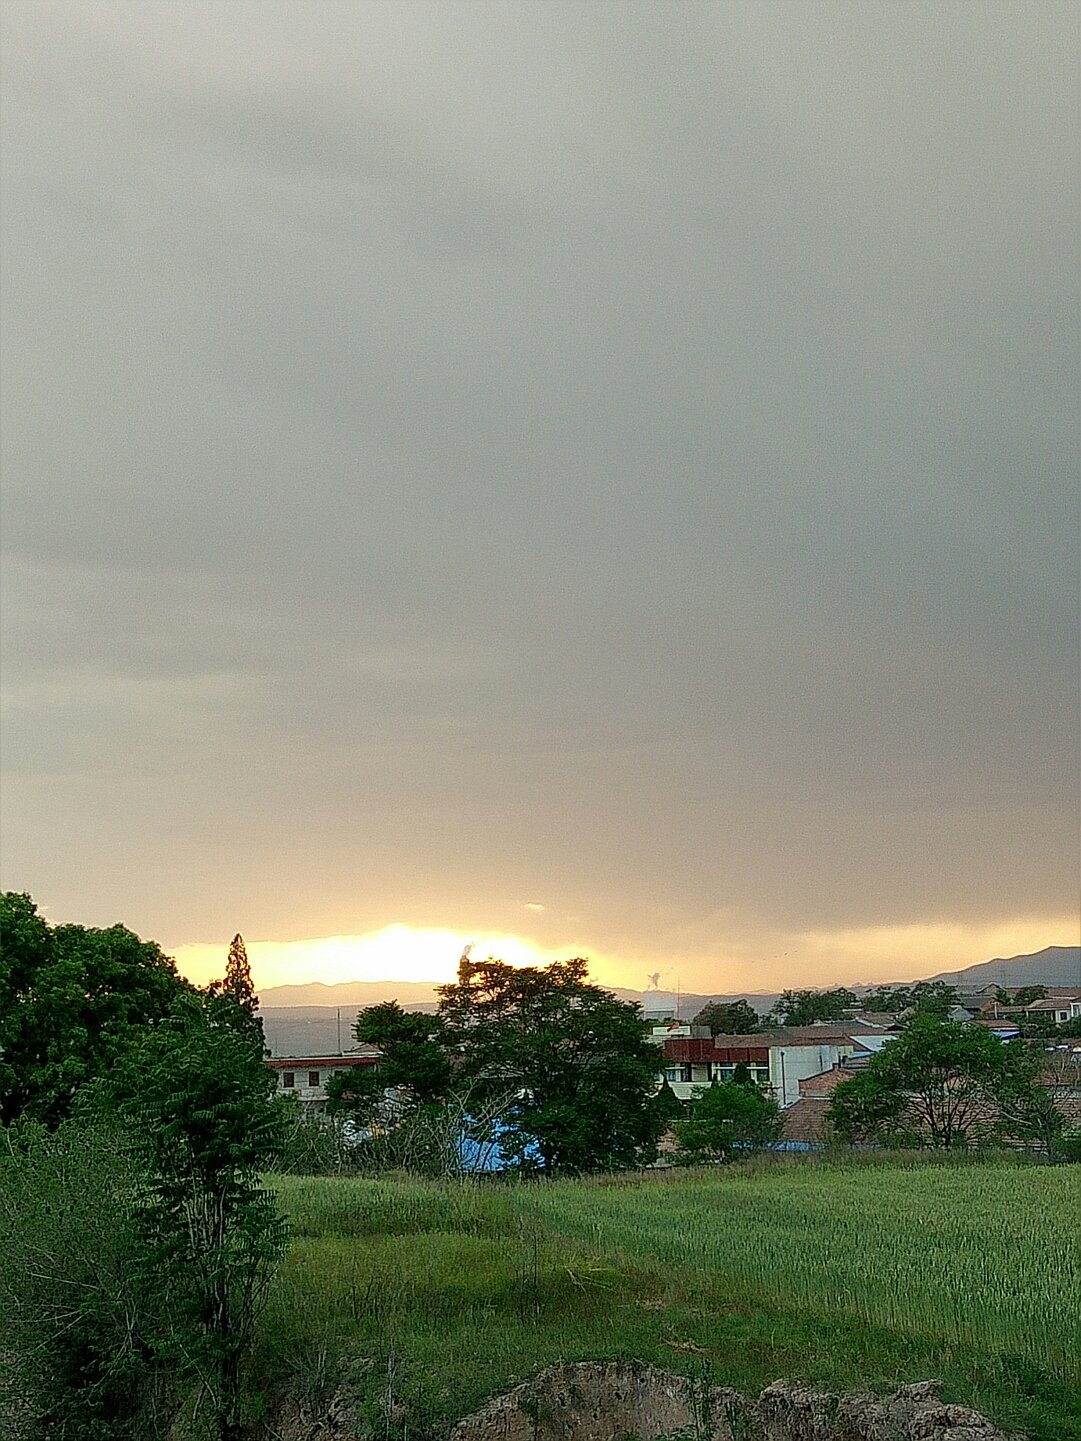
730, 963
396, 953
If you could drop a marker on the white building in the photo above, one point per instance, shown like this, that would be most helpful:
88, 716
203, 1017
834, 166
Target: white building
777, 1059
305, 1077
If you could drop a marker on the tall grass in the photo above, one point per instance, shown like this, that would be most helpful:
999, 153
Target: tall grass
426, 1297
979, 1259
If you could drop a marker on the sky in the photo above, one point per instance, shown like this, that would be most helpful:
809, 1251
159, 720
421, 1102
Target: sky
586, 479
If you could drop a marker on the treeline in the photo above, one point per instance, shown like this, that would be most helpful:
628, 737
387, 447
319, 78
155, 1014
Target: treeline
136, 1238
838, 1003
807, 1007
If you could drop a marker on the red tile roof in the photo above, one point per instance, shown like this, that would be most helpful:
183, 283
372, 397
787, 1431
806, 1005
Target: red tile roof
825, 1083
298, 1063
805, 1121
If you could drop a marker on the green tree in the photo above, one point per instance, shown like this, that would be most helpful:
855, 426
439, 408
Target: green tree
578, 1062
1034, 1097
667, 1105
925, 997
1019, 999
891, 999
729, 1018
71, 1000
1027, 994
940, 1084
727, 1119
237, 988
569, 1068
415, 1062
197, 1099
238, 982
804, 1008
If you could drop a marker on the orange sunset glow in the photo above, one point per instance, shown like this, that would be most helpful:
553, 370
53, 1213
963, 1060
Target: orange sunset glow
404, 953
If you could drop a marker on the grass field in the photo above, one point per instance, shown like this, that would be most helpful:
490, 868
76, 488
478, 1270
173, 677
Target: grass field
433, 1296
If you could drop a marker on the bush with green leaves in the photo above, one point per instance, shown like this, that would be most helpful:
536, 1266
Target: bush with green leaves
728, 1119
78, 1334
315, 1145
137, 1238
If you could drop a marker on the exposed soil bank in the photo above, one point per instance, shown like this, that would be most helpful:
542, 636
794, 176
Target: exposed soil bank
604, 1401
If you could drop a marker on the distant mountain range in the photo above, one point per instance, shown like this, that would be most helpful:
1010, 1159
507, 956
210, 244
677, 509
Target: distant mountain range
350, 993
1053, 966
317, 1019
420, 995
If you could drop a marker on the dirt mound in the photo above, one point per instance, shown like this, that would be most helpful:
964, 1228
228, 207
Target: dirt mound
604, 1401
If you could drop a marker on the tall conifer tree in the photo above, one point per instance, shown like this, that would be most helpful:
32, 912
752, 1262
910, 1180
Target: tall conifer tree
238, 982
238, 1005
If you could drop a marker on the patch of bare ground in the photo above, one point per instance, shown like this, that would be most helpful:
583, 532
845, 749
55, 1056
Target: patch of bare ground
635, 1401
607, 1401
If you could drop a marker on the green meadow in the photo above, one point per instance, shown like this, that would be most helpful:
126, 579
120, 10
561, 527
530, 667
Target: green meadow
425, 1298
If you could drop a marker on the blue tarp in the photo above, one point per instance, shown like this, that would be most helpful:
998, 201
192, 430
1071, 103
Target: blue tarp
486, 1156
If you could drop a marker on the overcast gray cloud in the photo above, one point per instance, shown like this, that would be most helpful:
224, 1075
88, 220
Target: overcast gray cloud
623, 455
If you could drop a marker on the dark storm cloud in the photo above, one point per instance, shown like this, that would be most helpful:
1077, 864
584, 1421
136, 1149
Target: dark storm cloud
624, 453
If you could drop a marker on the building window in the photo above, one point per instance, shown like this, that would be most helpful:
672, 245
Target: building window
288, 1080
313, 1078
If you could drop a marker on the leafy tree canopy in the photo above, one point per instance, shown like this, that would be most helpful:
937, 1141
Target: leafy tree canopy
729, 1018
416, 1061
1023, 996
71, 999
804, 1008
571, 1066
729, 1118
933, 998
940, 1084
242, 1014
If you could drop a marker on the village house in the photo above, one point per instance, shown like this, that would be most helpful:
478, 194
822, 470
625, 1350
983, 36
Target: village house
777, 1059
1061, 1003
305, 1077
